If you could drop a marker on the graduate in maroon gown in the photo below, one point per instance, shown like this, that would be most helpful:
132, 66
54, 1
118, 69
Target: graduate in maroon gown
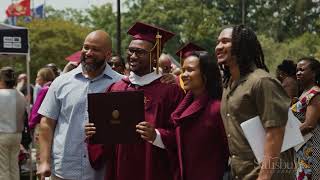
154, 158
202, 143
183, 53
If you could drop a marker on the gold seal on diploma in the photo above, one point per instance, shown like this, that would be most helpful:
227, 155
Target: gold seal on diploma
115, 117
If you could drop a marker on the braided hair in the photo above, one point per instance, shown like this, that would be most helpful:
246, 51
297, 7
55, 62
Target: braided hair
247, 50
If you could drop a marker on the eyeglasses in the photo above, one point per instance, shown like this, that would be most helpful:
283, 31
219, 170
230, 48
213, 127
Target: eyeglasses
138, 52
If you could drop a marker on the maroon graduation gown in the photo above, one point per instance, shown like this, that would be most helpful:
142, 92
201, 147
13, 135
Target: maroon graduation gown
144, 161
202, 143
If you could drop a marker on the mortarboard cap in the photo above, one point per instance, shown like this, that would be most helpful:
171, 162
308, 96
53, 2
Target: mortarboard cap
187, 49
153, 34
149, 33
75, 57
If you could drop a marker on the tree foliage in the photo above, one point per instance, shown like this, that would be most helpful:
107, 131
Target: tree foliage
307, 44
68, 14
50, 42
102, 17
279, 19
286, 28
190, 20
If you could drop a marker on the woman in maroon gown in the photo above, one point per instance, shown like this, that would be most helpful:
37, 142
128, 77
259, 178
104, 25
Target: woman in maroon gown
201, 140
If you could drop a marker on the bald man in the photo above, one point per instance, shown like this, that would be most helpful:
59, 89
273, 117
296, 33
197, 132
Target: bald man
165, 63
22, 87
63, 152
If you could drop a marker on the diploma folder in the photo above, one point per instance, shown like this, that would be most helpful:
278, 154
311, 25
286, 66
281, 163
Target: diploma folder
115, 116
255, 134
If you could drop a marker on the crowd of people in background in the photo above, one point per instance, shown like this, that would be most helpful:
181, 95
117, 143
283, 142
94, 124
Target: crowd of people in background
193, 111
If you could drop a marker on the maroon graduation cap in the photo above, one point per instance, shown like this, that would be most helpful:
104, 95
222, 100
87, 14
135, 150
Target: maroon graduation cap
153, 34
75, 57
187, 49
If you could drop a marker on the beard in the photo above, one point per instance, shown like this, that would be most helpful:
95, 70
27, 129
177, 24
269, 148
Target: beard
94, 66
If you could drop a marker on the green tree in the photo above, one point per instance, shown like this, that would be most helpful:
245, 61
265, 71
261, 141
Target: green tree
102, 17
50, 40
307, 44
190, 20
286, 28
68, 14
279, 19
95, 17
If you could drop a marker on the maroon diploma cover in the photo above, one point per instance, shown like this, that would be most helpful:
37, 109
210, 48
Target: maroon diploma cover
115, 116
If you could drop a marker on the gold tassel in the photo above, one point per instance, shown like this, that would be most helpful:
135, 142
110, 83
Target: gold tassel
150, 56
158, 46
150, 60
158, 41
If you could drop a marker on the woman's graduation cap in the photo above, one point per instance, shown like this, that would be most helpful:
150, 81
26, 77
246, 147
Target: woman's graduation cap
153, 34
187, 49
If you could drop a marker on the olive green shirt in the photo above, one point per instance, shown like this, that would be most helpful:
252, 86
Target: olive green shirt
256, 94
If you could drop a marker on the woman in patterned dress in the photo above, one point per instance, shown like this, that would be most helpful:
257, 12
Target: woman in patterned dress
307, 109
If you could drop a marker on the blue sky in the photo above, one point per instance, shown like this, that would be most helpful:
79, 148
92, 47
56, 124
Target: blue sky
57, 4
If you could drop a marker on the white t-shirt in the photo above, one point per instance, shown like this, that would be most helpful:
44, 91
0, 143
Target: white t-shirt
12, 109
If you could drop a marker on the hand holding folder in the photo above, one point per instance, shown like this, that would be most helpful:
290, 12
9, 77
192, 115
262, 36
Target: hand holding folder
255, 134
115, 116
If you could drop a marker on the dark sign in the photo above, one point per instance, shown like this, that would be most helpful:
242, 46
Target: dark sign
13, 41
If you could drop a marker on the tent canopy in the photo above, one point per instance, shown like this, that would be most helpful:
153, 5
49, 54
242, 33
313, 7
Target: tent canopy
13, 39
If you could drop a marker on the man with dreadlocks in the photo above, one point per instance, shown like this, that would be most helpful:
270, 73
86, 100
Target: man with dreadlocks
249, 91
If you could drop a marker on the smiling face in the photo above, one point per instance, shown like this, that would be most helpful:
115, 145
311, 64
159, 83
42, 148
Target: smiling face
223, 48
138, 57
165, 64
95, 51
191, 75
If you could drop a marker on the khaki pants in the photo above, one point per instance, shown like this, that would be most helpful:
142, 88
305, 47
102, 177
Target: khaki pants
9, 151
